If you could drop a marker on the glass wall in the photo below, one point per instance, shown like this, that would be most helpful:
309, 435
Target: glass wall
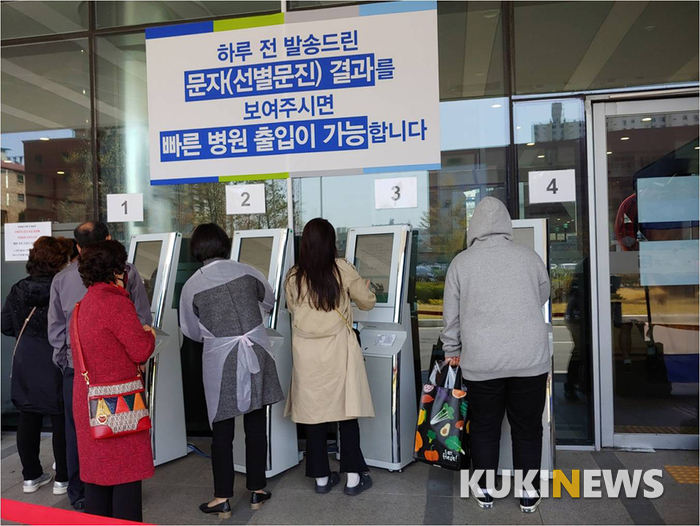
46, 147
487, 56
599, 45
550, 136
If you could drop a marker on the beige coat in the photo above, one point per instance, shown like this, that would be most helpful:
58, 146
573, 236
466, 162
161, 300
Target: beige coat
329, 380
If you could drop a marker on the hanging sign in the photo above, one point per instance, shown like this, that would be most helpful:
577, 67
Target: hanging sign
20, 238
124, 207
401, 192
245, 199
552, 186
287, 94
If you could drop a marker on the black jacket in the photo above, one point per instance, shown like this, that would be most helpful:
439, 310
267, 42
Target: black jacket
37, 384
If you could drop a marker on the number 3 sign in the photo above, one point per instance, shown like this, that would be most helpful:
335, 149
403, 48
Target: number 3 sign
124, 207
552, 186
400, 192
245, 199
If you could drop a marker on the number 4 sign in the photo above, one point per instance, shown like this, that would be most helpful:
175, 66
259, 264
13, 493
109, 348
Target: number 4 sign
552, 186
124, 207
245, 199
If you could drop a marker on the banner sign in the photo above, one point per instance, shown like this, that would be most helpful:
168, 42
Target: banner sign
346, 90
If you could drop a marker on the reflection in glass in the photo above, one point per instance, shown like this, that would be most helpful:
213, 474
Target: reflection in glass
113, 13
373, 262
549, 136
46, 152
146, 261
653, 229
30, 19
600, 45
257, 252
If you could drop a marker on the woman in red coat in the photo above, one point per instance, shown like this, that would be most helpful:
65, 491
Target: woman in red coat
114, 343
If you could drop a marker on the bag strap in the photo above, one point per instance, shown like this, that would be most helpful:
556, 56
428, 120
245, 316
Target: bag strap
77, 347
344, 318
21, 332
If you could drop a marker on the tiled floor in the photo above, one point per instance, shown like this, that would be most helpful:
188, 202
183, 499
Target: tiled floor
419, 495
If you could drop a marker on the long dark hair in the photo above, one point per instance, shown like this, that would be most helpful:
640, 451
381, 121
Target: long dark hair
316, 265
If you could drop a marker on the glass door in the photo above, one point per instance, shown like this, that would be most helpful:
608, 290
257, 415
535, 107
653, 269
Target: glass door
646, 201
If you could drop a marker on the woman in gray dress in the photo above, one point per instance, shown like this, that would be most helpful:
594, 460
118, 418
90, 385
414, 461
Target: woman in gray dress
221, 305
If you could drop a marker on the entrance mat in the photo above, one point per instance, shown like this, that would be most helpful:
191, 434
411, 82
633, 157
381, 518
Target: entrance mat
683, 474
25, 513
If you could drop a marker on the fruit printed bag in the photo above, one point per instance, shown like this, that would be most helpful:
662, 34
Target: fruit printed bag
442, 420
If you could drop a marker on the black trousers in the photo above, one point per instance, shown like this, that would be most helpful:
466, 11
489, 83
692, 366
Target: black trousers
523, 399
351, 459
29, 440
255, 427
122, 501
76, 487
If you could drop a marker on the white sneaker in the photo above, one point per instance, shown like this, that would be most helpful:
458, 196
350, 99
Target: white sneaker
60, 488
30, 486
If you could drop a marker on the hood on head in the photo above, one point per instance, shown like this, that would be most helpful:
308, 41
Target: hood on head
490, 219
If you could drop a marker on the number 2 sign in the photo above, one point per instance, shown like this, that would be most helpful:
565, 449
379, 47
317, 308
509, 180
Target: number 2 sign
245, 199
124, 207
552, 186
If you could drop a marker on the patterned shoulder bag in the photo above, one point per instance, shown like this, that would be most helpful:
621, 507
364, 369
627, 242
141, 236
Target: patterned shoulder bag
116, 409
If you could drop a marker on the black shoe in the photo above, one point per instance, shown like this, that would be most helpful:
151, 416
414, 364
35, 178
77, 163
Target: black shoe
223, 509
258, 499
529, 504
485, 502
79, 505
333, 480
365, 483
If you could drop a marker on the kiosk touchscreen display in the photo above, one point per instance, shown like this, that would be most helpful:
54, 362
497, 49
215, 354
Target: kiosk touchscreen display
257, 252
524, 236
373, 262
146, 259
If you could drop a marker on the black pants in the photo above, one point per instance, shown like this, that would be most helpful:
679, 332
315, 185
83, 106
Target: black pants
351, 459
255, 426
523, 399
122, 501
76, 487
28, 444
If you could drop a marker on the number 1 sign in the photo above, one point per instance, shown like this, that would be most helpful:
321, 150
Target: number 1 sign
124, 207
245, 199
552, 186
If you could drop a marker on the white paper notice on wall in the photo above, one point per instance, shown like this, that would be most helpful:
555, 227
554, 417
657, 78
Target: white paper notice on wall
245, 199
401, 192
124, 207
20, 237
552, 186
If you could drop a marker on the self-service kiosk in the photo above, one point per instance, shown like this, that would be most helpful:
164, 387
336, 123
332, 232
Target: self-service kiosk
382, 255
533, 234
155, 257
272, 253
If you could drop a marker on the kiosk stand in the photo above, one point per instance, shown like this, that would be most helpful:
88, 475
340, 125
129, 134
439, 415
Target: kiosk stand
271, 252
382, 255
155, 257
533, 234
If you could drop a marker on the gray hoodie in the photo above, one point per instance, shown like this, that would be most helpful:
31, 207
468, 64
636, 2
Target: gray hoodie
494, 292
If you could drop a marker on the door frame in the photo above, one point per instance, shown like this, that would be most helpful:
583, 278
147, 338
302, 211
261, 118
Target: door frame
597, 109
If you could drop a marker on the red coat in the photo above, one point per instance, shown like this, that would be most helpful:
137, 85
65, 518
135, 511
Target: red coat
113, 342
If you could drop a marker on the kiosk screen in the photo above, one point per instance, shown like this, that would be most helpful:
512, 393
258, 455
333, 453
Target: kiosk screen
256, 252
146, 259
525, 237
373, 262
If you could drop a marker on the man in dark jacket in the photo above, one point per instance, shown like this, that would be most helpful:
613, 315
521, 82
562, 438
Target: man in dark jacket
66, 290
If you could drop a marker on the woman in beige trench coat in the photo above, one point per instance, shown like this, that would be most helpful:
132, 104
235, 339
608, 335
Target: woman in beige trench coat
329, 380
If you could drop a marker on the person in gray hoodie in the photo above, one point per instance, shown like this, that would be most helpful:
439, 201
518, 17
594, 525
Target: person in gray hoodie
495, 330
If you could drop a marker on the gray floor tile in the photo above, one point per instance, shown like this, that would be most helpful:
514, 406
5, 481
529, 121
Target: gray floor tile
504, 511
